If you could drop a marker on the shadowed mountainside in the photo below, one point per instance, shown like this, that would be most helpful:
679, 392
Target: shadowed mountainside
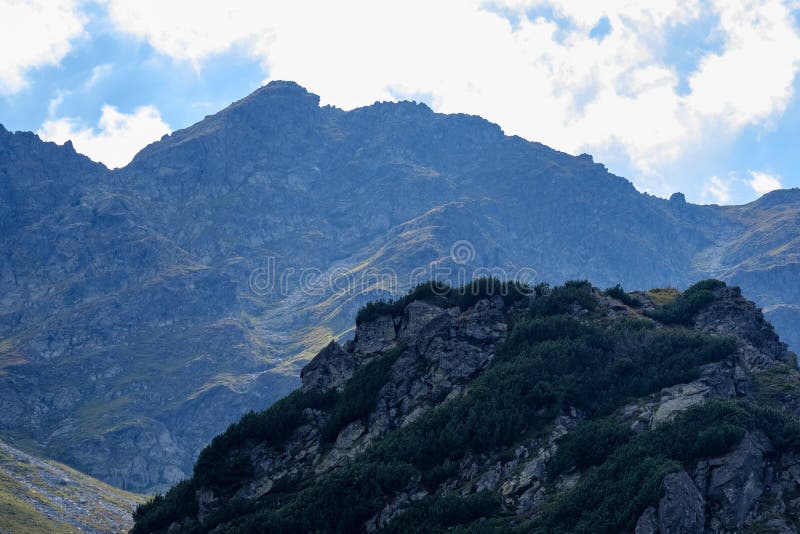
131, 329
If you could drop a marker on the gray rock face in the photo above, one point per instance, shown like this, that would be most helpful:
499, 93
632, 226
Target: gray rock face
737, 481
648, 522
681, 509
375, 336
721, 379
416, 316
732, 314
451, 348
329, 369
679, 399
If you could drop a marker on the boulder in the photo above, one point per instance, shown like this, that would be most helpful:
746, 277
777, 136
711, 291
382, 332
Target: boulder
737, 481
678, 399
681, 510
415, 317
329, 369
374, 336
648, 522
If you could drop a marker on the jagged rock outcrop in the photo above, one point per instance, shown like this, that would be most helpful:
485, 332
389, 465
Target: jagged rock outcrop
442, 349
329, 369
736, 481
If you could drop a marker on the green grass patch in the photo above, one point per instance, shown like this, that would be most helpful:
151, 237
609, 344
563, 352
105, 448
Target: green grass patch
687, 304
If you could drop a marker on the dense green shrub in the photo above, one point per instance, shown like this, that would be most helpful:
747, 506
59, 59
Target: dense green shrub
218, 464
531, 331
424, 291
562, 298
610, 497
374, 309
782, 430
159, 512
481, 288
463, 297
626, 298
437, 514
588, 445
596, 372
340, 502
687, 304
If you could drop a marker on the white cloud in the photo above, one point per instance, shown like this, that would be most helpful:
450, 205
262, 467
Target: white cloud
54, 103
34, 33
762, 183
99, 72
116, 139
190, 30
535, 78
752, 79
716, 190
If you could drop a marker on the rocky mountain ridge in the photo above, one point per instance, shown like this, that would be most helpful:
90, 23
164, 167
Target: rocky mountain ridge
128, 301
720, 424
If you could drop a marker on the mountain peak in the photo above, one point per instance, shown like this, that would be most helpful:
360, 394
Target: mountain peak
284, 85
278, 92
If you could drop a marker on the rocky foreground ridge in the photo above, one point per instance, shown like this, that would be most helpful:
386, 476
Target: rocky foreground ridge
489, 409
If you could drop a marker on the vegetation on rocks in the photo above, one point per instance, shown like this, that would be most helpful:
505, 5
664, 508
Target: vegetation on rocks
682, 309
562, 354
463, 297
620, 294
611, 496
220, 466
357, 399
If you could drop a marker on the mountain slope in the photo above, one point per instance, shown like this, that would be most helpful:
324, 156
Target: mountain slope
148, 307
110, 332
486, 410
46, 497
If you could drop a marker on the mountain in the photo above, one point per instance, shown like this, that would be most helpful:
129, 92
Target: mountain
492, 408
144, 309
38, 496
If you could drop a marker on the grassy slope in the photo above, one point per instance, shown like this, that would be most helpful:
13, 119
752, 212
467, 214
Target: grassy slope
44, 496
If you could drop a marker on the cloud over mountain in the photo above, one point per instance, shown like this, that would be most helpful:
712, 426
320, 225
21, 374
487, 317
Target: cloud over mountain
660, 81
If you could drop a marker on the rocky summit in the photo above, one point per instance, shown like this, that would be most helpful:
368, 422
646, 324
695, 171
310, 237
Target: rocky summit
144, 309
499, 408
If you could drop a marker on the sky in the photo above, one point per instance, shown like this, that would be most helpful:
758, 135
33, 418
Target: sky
697, 96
